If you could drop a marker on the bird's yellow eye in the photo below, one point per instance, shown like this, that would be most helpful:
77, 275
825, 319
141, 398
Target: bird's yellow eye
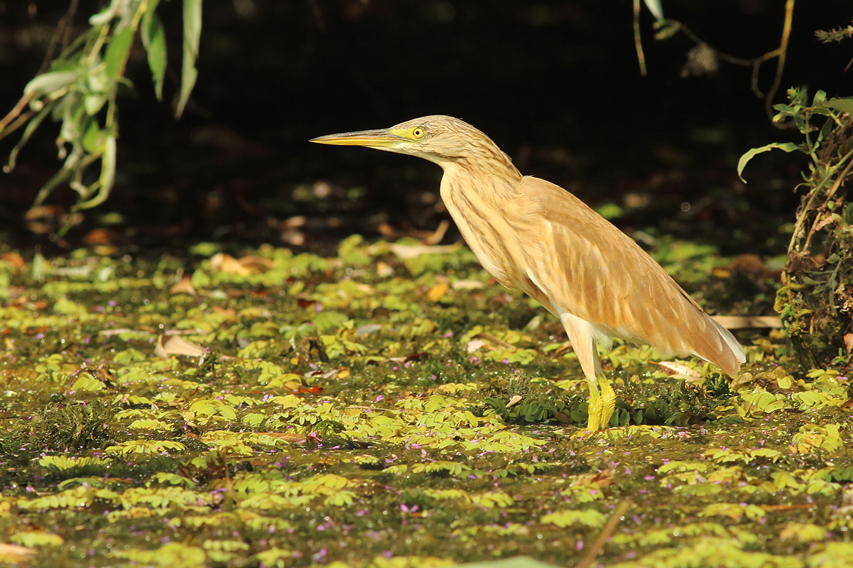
418, 132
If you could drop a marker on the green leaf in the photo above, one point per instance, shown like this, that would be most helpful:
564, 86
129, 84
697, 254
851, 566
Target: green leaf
844, 105
102, 18
36, 539
655, 8
146, 424
150, 10
94, 103
192, 34
329, 320
154, 40
92, 137
50, 82
784, 146
87, 384
666, 29
108, 174
825, 130
610, 211
64, 306
848, 214
97, 81
117, 52
570, 518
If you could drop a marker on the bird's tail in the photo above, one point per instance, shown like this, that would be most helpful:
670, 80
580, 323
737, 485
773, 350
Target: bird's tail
732, 359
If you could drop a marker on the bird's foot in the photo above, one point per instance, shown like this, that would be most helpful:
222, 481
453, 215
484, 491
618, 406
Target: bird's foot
596, 407
602, 403
582, 435
608, 402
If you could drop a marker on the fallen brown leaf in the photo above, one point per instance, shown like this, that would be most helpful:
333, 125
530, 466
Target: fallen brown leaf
672, 368
229, 313
175, 345
437, 235
513, 401
14, 259
384, 270
256, 263
413, 251
600, 479
286, 436
183, 286
221, 262
15, 553
101, 237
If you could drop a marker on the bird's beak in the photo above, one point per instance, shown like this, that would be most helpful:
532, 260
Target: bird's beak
383, 139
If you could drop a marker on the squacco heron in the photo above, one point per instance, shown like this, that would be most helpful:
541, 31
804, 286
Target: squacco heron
537, 237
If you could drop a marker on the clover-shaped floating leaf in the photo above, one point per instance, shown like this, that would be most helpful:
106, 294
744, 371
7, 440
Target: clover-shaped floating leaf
36, 539
210, 407
149, 424
136, 448
171, 554
62, 463
811, 437
575, 517
734, 511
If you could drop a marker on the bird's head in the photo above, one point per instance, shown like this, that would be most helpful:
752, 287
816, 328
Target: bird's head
440, 139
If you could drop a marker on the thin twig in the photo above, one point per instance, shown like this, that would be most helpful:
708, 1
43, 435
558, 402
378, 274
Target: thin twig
13, 114
492, 339
638, 44
780, 52
829, 174
605, 533
780, 65
63, 30
22, 120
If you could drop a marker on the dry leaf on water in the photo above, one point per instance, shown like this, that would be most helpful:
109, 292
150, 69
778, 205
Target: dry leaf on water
175, 345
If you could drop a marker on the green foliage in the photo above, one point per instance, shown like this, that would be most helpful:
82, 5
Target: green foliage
60, 427
836, 34
140, 448
402, 443
36, 539
171, 554
816, 293
66, 307
531, 411
689, 261
274, 557
80, 90
720, 552
572, 517
811, 437
351, 250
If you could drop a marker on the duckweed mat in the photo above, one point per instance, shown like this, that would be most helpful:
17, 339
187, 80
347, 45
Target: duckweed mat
390, 407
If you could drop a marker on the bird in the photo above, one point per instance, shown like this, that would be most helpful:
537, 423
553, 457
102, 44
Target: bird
532, 235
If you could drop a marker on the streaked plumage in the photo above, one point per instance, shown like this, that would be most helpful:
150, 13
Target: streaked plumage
537, 237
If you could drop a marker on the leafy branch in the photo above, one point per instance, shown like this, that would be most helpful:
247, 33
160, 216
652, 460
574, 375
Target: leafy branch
838, 35
703, 59
818, 272
79, 91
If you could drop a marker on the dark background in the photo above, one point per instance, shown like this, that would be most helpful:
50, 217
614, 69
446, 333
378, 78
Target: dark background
555, 83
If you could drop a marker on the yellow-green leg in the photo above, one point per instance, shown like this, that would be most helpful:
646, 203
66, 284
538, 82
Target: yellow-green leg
608, 401
595, 407
602, 399
602, 402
